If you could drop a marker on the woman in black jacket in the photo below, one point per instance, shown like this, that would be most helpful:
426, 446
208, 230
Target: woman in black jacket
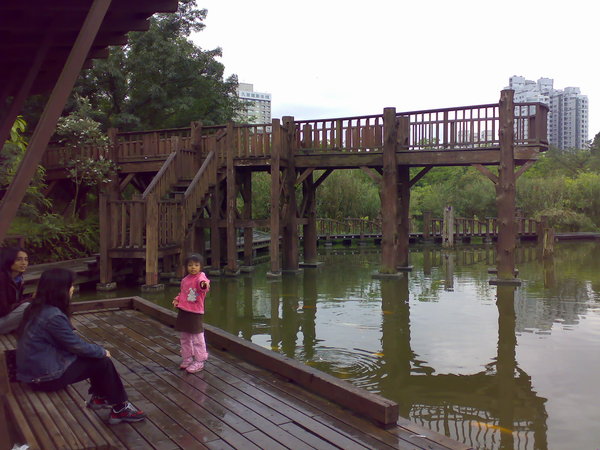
13, 264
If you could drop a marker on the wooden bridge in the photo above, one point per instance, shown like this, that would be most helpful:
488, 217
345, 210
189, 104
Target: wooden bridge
195, 184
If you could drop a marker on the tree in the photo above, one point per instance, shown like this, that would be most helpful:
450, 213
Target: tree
12, 153
161, 79
78, 133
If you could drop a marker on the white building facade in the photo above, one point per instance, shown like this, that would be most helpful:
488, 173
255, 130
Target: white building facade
257, 104
568, 110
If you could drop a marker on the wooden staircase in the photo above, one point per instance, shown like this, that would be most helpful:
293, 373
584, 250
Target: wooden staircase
156, 225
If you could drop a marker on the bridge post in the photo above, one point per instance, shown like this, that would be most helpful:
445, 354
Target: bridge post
403, 173
275, 198
246, 191
309, 241
289, 215
505, 188
232, 266
389, 189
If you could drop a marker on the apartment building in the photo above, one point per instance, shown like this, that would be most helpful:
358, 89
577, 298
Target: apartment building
568, 110
257, 104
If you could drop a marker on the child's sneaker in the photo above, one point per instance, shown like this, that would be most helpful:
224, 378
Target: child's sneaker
128, 413
196, 366
187, 362
95, 402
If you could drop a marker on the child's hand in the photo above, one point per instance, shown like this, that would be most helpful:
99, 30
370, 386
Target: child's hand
203, 285
175, 302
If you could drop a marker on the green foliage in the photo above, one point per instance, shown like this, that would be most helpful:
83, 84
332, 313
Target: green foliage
50, 238
78, 132
566, 220
161, 79
348, 193
12, 154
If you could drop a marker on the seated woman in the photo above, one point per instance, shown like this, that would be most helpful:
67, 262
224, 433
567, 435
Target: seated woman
50, 355
13, 264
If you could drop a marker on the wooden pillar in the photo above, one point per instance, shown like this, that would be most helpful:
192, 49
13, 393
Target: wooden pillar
289, 216
151, 240
47, 123
105, 244
275, 198
215, 216
427, 225
389, 182
448, 227
246, 182
505, 188
196, 131
310, 227
232, 266
403, 198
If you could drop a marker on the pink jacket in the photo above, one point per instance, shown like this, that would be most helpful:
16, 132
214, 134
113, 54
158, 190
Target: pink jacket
191, 296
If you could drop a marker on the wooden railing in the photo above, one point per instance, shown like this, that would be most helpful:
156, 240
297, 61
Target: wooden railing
348, 134
205, 178
180, 164
464, 227
348, 227
469, 127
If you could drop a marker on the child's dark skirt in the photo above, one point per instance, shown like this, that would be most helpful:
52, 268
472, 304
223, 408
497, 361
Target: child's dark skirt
189, 322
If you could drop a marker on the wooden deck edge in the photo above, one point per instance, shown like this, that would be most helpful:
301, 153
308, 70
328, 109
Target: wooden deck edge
99, 305
382, 411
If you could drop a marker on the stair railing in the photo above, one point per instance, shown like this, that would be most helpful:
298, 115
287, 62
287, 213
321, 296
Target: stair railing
205, 178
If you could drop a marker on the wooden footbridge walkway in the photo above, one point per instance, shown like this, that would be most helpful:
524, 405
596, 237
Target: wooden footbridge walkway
195, 184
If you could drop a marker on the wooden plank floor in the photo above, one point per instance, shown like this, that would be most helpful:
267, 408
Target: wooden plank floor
230, 404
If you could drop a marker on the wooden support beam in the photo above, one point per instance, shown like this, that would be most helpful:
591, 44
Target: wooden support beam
232, 265
372, 173
304, 175
275, 197
290, 239
41, 136
420, 175
151, 239
505, 188
309, 241
389, 203
403, 221
523, 168
126, 181
323, 177
487, 172
246, 191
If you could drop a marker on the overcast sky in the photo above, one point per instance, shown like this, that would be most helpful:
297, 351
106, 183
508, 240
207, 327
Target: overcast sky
334, 58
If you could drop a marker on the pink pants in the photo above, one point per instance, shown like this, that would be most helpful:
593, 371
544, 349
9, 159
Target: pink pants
193, 346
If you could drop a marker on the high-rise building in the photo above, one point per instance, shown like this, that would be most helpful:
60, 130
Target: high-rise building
568, 110
257, 104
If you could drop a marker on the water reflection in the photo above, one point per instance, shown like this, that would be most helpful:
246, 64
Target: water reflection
464, 358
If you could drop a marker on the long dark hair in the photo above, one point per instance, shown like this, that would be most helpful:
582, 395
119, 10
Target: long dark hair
8, 256
53, 290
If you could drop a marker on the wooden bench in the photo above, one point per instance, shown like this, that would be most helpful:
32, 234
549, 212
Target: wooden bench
45, 420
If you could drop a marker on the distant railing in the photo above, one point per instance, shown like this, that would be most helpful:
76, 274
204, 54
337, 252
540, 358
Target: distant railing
460, 128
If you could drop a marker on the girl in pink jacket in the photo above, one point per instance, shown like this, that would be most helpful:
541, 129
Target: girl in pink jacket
190, 304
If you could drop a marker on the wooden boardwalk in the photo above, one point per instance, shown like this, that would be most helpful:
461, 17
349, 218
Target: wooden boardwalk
231, 404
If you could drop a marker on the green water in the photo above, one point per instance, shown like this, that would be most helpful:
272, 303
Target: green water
490, 367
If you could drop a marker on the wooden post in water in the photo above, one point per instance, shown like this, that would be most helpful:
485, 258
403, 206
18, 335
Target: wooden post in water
403, 173
289, 216
215, 232
246, 191
389, 202
232, 266
106, 283
505, 188
309, 241
448, 227
151, 240
275, 199
427, 225
548, 243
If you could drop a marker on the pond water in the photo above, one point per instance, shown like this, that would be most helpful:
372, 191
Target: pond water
491, 367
